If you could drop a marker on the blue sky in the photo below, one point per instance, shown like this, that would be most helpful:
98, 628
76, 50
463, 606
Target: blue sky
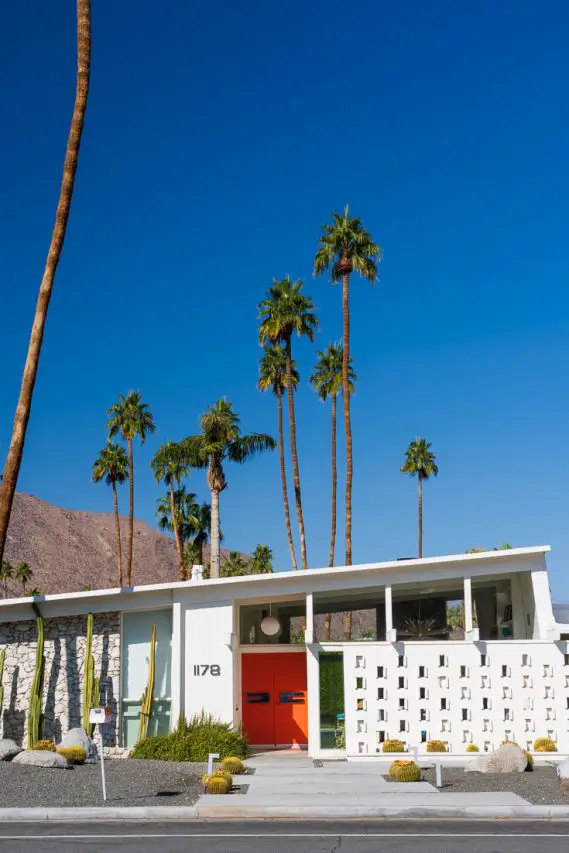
218, 140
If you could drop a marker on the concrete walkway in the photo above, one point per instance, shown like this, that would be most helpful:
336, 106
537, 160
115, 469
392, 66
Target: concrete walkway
288, 783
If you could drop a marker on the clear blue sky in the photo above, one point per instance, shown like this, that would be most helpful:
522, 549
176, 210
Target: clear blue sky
218, 139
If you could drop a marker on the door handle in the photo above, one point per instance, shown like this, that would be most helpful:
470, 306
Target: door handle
258, 698
292, 698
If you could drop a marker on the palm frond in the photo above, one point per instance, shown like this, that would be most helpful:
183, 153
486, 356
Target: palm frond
247, 446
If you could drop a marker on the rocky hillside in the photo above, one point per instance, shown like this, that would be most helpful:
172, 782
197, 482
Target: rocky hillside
69, 549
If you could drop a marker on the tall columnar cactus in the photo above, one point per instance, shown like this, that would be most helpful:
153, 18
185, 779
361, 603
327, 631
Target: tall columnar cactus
35, 716
2, 659
91, 685
148, 695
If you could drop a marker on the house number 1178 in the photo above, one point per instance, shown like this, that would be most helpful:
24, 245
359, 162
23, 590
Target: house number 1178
207, 669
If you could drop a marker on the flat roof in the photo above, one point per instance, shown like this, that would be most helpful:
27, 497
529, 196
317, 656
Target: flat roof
248, 583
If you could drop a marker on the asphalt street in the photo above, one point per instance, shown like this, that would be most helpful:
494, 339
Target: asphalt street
426, 836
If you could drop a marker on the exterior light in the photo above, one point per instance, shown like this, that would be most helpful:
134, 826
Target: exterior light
270, 626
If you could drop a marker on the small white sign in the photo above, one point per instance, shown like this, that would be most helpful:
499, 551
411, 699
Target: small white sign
101, 715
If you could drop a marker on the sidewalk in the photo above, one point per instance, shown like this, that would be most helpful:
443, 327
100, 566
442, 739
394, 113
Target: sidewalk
289, 785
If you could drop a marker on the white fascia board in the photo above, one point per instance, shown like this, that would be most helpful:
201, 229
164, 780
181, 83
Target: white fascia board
289, 583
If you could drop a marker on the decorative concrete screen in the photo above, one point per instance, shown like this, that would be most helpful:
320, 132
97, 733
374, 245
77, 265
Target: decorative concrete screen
461, 693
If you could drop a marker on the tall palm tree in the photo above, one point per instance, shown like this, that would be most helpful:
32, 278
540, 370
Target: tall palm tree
284, 311
168, 468
112, 465
346, 246
327, 380
198, 526
24, 406
272, 376
130, 417
220, 440
23, 573
234, 565
420, 462
6, 574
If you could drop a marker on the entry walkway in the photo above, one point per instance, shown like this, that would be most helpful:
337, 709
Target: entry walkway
289, 782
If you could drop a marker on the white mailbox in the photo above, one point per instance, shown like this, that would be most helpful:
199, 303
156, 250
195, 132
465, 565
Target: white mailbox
101, 715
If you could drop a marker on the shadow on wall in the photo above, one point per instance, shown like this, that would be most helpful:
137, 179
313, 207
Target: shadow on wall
14, 721
52, 723
72, 680
107, 693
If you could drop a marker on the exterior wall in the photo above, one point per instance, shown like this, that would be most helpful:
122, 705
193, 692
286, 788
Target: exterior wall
209, 660
64, 650
526, 685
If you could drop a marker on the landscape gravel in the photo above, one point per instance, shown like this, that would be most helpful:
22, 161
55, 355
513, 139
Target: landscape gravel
129, 783
540, 787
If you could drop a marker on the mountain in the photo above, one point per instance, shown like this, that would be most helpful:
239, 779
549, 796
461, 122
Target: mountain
71, 549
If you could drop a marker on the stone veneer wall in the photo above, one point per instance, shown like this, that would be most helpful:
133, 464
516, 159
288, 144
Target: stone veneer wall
64, 650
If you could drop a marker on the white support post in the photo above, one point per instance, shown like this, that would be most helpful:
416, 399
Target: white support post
470, 632
390, 632
309, 631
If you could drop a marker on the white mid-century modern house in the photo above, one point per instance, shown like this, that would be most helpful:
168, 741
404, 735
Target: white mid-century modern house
463, 648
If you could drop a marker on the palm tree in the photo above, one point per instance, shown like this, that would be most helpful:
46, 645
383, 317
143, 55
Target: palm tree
284, 311
23, 408
234, 565
112, 465
346, 246
220, 440
261, 560
6, 574
167, 467
272, 375
23, 573
198, 526
31, 593
130, 417
421, 462
327, 380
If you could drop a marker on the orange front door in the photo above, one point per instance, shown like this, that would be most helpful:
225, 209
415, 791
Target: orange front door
275, 700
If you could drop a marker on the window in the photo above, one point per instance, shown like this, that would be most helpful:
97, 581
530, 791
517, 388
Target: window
402, 704
485, 703
381, 693
525, 660
360, 662
482, 660
507, 714
402, 726
360, 684
465, 713
504, 671
423, 714
422, 692
381, 715
463, 672
361, 705
401, 682
422, 672
381, 736
401, 660
381, 672
566, 659
442, 660
444, 706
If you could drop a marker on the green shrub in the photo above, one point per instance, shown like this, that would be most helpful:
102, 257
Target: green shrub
436, 746
44, 745
194, 740
233, 765
529, 765
73, 754
393, 746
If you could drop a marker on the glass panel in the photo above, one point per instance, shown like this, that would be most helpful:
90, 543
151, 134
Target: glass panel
159, 721
136, 631
290, 615
332, 719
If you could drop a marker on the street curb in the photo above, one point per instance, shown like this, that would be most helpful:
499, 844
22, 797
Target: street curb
242, 812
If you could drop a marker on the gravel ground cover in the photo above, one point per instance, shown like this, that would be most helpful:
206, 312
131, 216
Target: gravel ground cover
540, 787
129, 783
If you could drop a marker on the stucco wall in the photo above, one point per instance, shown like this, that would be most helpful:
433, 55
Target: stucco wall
64, 650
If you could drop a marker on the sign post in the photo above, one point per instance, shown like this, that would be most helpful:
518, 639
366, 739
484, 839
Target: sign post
99, 716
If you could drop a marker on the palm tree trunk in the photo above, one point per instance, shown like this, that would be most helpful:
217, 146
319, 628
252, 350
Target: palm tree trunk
294, 454
420, 515
283, 481
348, 432
118, 534
214, 553
23, 409
334, 485
24, 586
328, 617
130, 512
177, 535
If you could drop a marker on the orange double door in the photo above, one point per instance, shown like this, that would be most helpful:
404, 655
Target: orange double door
274, 698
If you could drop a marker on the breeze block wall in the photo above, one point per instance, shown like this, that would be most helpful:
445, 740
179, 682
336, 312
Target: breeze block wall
457, 692
64, 651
